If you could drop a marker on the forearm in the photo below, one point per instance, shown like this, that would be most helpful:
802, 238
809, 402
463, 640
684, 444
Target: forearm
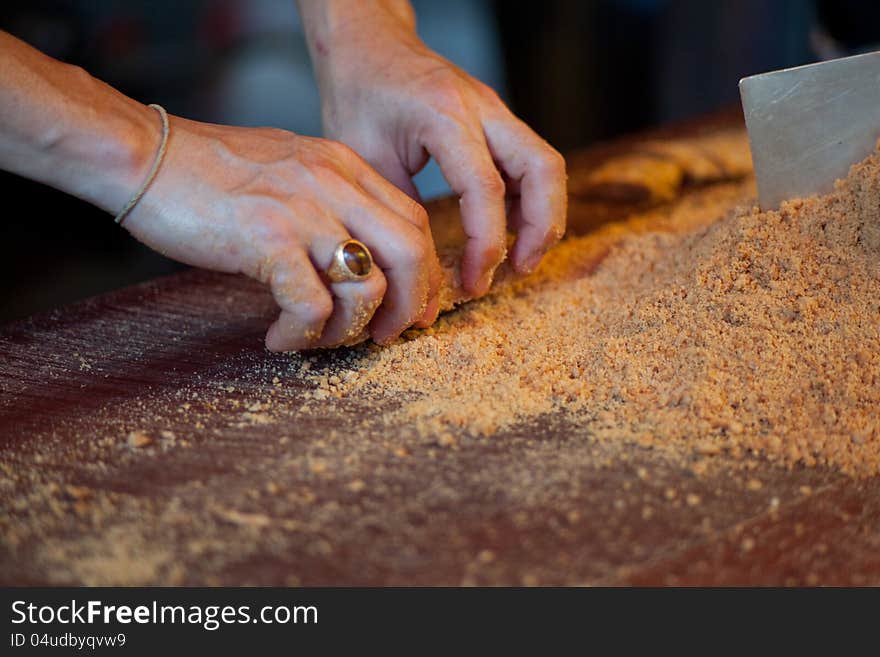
64, 128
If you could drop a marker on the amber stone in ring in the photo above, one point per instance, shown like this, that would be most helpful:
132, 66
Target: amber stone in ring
357, 258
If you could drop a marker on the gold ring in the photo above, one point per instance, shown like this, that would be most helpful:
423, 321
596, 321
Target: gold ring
352, 261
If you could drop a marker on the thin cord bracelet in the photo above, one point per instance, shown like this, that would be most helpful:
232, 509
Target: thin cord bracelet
160, 155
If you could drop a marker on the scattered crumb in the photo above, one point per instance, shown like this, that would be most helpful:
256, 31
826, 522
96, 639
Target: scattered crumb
138, 439
356, 486
78, 492
255, 520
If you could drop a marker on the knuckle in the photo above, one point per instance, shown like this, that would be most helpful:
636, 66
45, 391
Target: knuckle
328, 154
488, 94
328, 174
492, 185
342, 151
448, 96
415, 251
418, 216
270, 228
559, 165
315, 310
275, 134
550, 164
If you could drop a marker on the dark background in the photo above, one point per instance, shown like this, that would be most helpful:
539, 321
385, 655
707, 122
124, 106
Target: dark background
576, 71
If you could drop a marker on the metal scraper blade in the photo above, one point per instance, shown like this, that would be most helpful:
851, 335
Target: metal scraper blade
808, 125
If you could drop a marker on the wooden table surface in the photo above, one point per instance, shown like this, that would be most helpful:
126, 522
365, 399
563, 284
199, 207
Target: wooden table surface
235, 476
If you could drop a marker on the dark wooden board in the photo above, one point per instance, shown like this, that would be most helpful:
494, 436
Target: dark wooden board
247, 480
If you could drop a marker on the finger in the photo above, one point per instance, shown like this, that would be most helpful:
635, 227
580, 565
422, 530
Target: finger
464, 159
354, 304
306, 304
537, 171
432, 311
405, 205
403, 253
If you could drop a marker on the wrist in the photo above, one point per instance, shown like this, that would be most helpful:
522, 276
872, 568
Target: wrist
102, 147
62, 127
340, 32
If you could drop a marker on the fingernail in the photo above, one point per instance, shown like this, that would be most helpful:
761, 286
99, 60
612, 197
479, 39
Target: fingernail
360, 337
429, 316
531, 263
485, 282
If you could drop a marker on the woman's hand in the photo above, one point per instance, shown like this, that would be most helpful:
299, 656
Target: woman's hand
274, 206
264, 202
396, 102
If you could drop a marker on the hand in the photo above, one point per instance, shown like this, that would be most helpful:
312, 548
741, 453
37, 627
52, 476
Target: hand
274, 205
396, 102
264, 202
